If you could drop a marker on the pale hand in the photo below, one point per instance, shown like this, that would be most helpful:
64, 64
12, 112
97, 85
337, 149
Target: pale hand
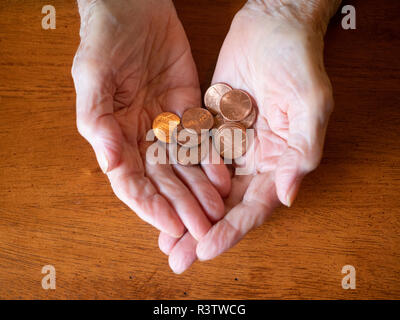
279, 61
133, 63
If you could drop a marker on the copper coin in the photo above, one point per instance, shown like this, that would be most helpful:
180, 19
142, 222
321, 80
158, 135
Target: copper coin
164, 124
218, 121
197, 119
250, 119
190, 156
213, 96
230, 140
188, 138
235, 105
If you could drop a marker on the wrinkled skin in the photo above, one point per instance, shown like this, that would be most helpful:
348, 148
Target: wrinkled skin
134, 62
279, 61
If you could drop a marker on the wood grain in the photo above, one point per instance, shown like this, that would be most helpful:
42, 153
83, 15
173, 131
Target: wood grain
57, 208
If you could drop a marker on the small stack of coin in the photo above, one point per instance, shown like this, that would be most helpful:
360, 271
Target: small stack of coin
230, 105
230, 140
233, 112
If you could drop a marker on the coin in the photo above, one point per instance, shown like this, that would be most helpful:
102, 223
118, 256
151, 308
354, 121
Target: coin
218, 120
235, 105
197, 119
250, 119
189, 156
164, 124
230, 140
188, 138
213, 96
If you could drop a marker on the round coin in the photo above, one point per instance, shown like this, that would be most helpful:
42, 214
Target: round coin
218, 121
250, 119
213, 96
197, 119
230, 140
189, 156
235, 105
188, 138
164, 124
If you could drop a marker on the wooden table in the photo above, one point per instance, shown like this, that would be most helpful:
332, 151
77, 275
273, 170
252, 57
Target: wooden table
57, 208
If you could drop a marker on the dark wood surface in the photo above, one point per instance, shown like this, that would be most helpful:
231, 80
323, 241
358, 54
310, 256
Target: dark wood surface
57, 208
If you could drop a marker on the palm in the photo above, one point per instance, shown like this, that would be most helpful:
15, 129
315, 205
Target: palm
283, 71
158, 74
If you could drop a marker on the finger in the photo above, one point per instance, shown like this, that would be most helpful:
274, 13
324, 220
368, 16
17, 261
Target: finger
95, 118
183, 255
178, 101
289, 174
239, 187
206, 194
258, 202
180, 260
180, 197
166, 242
216, 171
307, 131
137, 191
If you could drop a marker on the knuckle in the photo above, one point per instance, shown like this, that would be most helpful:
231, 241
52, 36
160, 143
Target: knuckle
74, 68
212, 202
82, 127
76, 65
320, 99
82, 67
325, 98
313, 162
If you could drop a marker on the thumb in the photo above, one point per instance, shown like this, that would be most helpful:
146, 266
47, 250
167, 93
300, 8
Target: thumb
95, 117
289, 174
305, 145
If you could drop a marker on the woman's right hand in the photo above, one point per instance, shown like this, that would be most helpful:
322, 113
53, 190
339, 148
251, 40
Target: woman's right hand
134, 62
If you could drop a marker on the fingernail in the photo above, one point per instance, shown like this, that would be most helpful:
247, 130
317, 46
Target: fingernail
291, 195
177, 235
103, 163
288, 201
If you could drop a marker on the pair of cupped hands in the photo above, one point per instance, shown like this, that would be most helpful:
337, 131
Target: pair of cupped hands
134, 62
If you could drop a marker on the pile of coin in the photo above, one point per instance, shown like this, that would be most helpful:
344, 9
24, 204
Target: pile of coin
233, 113
229, 112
